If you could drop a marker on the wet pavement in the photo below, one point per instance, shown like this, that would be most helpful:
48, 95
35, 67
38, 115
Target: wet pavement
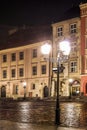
8, 125
42, 114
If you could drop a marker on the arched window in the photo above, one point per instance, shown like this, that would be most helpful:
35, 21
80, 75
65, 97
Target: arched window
3, 91
46, 91
86, 88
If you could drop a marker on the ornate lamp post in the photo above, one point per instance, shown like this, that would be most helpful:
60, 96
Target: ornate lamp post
24, 86
70, 91
63, 52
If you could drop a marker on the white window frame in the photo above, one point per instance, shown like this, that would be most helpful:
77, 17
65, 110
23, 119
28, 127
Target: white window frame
73, 66
60, 31
73, 28
73, 47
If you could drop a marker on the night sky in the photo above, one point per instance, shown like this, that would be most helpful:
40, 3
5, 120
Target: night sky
33, 12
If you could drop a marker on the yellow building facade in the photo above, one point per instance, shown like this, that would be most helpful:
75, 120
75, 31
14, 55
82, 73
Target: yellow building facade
24, 72
68, 30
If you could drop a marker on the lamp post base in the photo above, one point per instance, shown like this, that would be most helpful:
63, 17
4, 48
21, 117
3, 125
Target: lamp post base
57, 116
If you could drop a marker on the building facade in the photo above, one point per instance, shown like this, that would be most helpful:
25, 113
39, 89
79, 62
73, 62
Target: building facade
24, 72
70, 78
83, 9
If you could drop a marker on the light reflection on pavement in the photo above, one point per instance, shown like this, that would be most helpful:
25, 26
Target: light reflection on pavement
8, 125
72, 114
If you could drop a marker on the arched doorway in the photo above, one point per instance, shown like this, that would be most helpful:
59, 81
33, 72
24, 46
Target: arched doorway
46, 91
3, 91
86, 89
75, 88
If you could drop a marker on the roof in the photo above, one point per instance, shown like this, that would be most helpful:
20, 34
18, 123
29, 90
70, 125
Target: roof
32, 34
27, 35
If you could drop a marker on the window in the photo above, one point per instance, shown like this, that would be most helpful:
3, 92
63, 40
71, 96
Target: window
86, 23
13, 56
34, 53
21, 55
86, 88
73, 28
4, 74
4, 58
86, 63
13, 73
43, 69
34, 70
15, 89
73, 66
33, 86
86, 43
21, 72
73, 47
60, 31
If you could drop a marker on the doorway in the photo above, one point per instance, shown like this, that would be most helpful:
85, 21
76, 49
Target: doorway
46, 91
3, 91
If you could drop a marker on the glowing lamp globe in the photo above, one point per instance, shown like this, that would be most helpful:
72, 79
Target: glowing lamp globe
64, 46
45, 49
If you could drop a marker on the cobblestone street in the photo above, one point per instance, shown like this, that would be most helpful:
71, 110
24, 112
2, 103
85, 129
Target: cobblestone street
8, 125
72, 114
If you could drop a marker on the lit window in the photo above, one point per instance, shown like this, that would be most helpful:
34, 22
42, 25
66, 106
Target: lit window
60, 31
73, 28
43, 69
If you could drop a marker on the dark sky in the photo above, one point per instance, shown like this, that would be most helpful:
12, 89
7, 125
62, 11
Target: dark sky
35, 12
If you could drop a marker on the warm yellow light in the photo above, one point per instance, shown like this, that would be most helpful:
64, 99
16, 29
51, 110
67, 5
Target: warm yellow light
24, 83
45, 49
70, 80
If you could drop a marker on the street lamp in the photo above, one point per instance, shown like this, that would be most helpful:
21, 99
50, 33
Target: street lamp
63, 52
70, 91
24, 86
45, 49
